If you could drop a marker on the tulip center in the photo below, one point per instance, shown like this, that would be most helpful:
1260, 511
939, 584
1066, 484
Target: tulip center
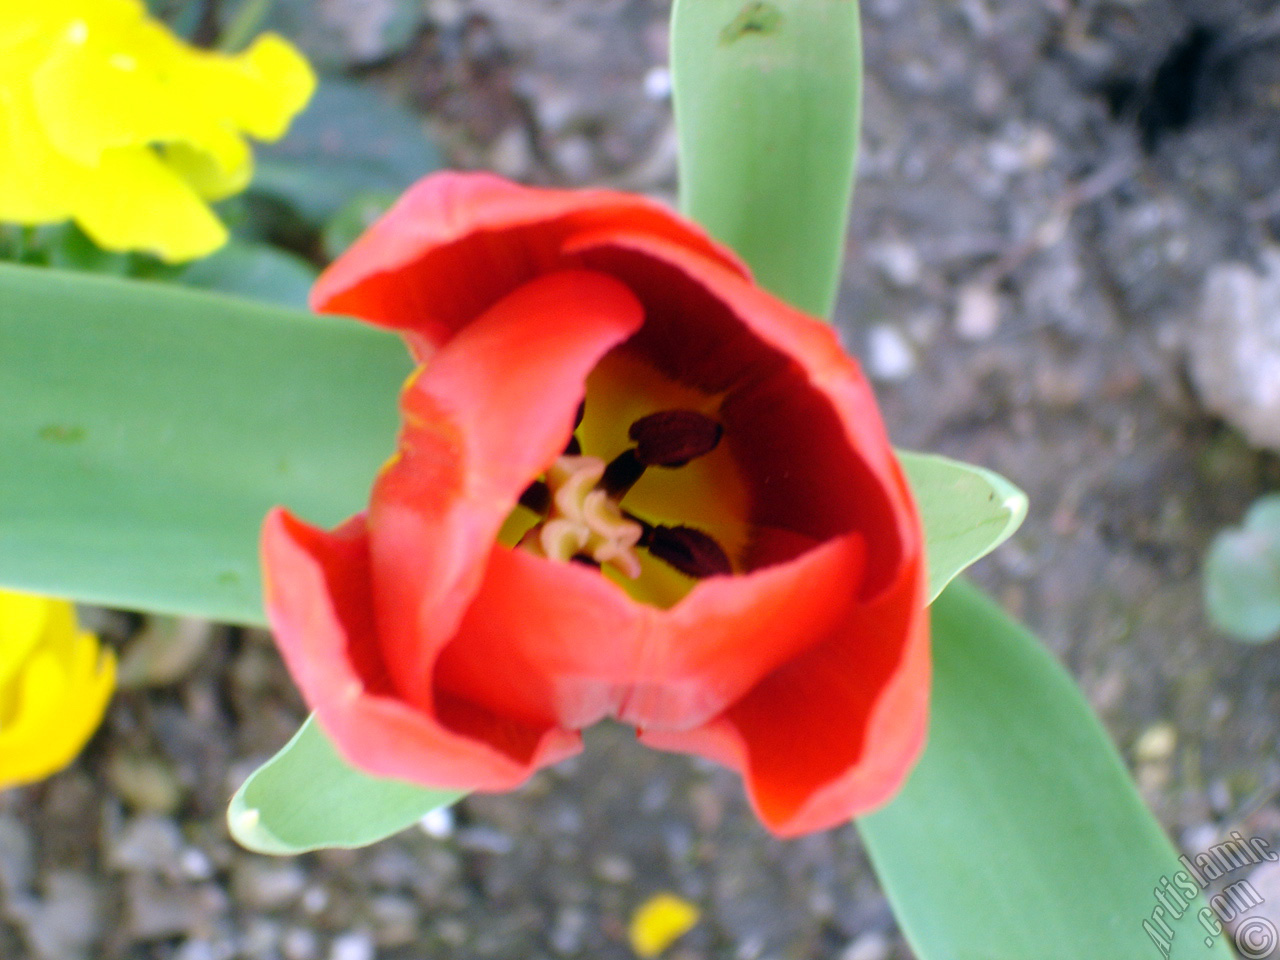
644, 490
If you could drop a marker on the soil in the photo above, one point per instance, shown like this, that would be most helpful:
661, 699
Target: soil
1043, 188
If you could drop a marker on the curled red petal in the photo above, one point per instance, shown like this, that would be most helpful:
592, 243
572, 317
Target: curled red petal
319, 600
455, 243
490, 412
834, 732
557, 643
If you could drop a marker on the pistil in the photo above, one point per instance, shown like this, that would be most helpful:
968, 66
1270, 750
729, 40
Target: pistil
579, 501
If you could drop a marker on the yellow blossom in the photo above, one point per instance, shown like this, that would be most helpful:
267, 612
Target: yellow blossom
55, 681
659, 922
108, 119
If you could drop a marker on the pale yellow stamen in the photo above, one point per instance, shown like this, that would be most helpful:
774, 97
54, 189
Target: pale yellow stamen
584, 520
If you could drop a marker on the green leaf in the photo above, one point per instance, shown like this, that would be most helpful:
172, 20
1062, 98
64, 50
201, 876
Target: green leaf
1242, 575
767, 98
148, 428
257, 271
967, 512
355, 217
307, 797
1020, 834
349, 140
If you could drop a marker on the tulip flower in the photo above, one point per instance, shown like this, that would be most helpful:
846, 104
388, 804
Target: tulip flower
55, 681
629, 484
108, 119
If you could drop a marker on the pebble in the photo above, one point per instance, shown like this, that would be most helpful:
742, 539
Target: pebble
299, 943
869, 946
1235, 347
567, 932
356, 945
977, 314
145, 783
267, 884
898, 261
148, 844
889, 355
396, 920
438, 823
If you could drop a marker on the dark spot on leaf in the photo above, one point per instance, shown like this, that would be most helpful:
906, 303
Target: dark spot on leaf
228, 578
61, 433
758, 17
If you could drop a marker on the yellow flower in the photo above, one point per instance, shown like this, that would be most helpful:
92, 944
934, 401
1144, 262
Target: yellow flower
108, 119
55, 681
659, 922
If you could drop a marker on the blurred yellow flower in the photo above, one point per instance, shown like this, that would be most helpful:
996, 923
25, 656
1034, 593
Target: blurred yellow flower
659, 922
108, 119
55, 681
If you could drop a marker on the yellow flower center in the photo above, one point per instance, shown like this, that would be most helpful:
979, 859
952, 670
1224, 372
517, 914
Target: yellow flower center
645, 490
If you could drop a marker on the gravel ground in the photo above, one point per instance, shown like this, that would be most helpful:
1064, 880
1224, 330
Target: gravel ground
1046, 188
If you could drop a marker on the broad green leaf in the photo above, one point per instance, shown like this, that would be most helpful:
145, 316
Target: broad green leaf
967, 512
1020, 834
349, 140
307, 797
148, 428
1242, 575
257, 271
767, 98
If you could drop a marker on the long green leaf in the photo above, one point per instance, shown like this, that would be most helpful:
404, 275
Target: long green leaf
147, 429
767, 98
307, 797
1020, 835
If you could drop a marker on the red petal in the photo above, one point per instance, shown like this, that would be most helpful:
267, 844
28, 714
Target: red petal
558, 643
834, 732
492, 410
456, 243
318, 597
849, 480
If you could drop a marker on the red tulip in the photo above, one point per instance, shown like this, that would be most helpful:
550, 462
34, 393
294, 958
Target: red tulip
749, 577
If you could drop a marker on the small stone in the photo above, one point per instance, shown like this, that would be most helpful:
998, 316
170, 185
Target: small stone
396, 920
147, 844
438, 823
165, 651
898, 261
1235, 347
356, 945
657, 83
977, 312
889, 355
315, 900
1157, 743
485, 840
145, 783
567, 932
869, 946
299, 943
194, 864
267, 884
612, 868
261, 939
